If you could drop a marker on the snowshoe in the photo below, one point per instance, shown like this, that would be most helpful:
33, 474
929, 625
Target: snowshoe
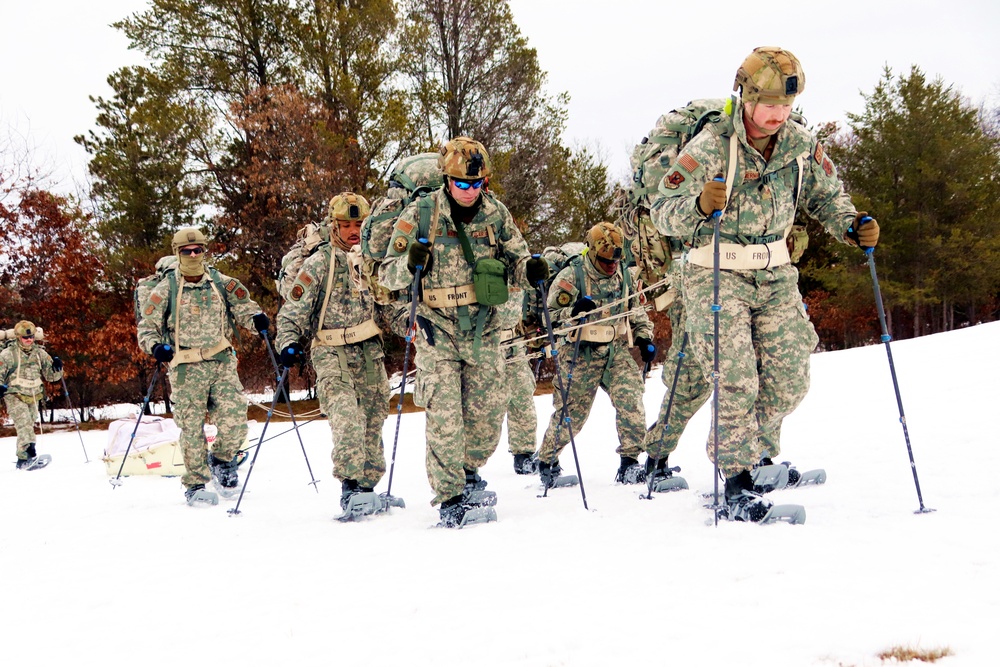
743, 504
525, 464
630, 472
661, 476
551, 476
473, 480
455, 513
197, 495
225, 478
34, 463
768, 476
361, 504
475, 494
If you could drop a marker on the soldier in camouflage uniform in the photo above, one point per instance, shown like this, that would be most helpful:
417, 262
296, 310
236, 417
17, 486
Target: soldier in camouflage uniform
460, 236
23, 365
584, 286
522, 417
768, 169
332, 304
186, 323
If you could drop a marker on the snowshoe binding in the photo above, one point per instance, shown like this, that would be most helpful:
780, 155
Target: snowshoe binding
32, 460
197, 495
768, 476
660, 476
743, 504
551, 476
475, 494
630, 472
225, 477
525, 464
360, 501
455, 513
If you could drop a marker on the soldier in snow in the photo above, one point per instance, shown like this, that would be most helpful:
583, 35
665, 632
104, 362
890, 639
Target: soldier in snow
519, 381
23, 366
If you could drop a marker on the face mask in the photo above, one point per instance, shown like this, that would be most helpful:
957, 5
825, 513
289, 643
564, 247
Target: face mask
191, 265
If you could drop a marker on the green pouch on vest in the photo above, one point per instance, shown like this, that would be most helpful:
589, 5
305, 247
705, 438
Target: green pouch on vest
489, 278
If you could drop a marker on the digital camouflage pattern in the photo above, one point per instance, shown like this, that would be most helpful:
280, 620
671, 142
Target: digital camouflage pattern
350, 379
519, 380
23, 370
455, 382
213, 385
609, 366
763, 324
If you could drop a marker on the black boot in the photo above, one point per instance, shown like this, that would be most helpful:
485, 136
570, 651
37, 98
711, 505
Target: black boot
548, 473
743, 503
525, 464
657, 469
30, 451
22, 463
191, 490
473, 482
347, 489
224, 472
452, 512
630, 472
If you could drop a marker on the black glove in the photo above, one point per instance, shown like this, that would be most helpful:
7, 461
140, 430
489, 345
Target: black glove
583, 305
537, 269
261, 322
419, 255
290, 355
3, 390
162, 352
646, 349
56, 364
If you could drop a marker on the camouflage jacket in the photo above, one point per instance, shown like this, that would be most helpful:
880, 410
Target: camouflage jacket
449, 267
351, 298
203, 320
22, 371
603, 289
763, 201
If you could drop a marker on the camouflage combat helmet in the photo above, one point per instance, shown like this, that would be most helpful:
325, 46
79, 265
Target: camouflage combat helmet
188, 236
465, 159
770, 75
348, 206
604, 243
24, 328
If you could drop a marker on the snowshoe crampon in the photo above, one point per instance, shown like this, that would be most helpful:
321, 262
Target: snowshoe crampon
36, 463
817, 476
793, 514
463, 515
360, 505
671, 483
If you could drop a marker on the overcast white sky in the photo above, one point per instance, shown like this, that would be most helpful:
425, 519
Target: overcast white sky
623, 62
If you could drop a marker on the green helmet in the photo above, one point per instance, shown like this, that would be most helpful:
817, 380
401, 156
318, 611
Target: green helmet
770, 75
348, 206
465, 159
188, 236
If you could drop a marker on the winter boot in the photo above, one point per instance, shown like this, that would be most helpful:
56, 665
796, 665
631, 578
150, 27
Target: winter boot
452, 513
630, 472
30, 451
197, 494
551, 476
474, 481
525, 464
347, 489
741, 501
661, 476
224, 472
21, 463
475, 494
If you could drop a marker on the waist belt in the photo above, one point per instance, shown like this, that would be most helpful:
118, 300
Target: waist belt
450, 297
25, 387
733, 256
348, 335
598, 333
507, 334
199, 354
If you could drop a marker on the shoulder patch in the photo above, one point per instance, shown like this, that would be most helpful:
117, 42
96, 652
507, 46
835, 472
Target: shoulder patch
399, 245
305, 279
149, 310
566, 286
297, 292
404, 226
828, 166
231, 285
241, 293
688, 162
751, 176
818, 155
563, 299
673, 180
156, 299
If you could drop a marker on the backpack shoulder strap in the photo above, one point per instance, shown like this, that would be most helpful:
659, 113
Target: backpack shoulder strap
217, 280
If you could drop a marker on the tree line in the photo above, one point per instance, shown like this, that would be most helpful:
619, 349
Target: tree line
251, 114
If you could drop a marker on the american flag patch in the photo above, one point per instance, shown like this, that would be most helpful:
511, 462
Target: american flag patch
688, 163
566, 286
305, 279
404, 226
818, 155
156, 298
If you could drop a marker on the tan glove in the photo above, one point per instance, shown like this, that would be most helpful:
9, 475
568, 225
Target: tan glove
864, 231
712, 197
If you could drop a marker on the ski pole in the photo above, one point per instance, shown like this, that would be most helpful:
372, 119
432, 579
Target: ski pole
145, 403
288, 402
666, 415
870, 252
564, 390
410, 332
72, 412
716, 223
274, 400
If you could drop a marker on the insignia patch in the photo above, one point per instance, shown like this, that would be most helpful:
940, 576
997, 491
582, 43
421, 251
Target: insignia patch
241, 293
818, 155
751, 176
399, 245
297, 292
231, 285
404, 226
566, 286
149, 310
827, 167
688, 162
156, 299
305, 279
673, 180
563, 299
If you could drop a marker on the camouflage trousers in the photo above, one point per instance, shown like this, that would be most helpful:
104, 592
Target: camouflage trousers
688, 395
464, 406
24, 414
765, 339
522, 417
609, 367
354, 394
209, 391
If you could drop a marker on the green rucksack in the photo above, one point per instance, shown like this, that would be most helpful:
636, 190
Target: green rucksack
411, 178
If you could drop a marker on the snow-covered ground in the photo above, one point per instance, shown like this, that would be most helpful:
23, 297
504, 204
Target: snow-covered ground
128, 576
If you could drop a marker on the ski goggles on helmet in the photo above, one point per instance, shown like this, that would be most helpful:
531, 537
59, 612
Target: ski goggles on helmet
468, 185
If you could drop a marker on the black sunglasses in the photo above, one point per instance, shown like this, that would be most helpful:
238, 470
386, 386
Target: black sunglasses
187, 252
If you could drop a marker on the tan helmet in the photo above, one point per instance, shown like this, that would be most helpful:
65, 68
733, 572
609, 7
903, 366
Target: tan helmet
24, 328
348, 206
465, 159
188, 236
605, 241
770, 75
